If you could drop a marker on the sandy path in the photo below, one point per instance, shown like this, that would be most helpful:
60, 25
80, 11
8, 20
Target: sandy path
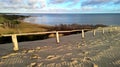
73, 51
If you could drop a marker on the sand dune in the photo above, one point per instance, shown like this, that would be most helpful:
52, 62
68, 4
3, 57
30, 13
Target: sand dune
101, 50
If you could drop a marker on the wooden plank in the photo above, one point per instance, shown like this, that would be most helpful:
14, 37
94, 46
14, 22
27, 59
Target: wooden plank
57, 37
43, 33
30, 33
15, 42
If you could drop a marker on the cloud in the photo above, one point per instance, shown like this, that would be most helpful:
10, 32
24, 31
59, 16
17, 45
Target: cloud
58, 1
63, 1
58, 5
12, 4
94, 2
23, 3
100, 4
86, 8
37, 3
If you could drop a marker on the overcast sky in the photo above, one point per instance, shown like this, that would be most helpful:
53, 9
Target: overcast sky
59, 6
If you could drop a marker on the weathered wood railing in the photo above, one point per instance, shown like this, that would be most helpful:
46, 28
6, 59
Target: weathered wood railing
15, 41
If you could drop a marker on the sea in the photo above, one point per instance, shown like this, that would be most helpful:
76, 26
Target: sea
56, 19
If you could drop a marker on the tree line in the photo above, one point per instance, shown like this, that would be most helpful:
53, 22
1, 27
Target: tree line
63, 27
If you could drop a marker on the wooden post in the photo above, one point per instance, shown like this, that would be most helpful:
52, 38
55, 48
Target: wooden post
94, 32
15, 43
103, 31
57, 37
83, 34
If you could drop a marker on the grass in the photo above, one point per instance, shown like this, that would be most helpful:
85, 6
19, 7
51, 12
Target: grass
24, 27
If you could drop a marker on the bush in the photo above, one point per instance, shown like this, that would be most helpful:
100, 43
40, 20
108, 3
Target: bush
63, 27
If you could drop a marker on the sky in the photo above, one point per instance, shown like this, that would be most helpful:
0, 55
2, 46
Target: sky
59, 6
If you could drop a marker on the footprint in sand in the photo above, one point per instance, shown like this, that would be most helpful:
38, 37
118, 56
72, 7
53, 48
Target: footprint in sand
116, 62
68, 54
9, 55
32, 64
53, 57
38, 48
35, 56
31, 51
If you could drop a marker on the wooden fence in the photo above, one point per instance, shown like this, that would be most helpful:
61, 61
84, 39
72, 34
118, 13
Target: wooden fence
15, 41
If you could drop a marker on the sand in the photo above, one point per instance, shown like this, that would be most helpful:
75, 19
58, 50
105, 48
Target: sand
101, 50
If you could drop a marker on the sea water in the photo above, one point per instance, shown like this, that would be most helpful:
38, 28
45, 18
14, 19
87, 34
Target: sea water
55, 19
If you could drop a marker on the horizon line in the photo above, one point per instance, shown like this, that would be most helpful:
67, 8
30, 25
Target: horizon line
59, 12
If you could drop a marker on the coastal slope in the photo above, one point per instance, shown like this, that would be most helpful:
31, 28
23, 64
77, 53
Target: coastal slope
101, 50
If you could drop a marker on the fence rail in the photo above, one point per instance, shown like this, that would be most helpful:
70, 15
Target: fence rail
21, 34
15, 41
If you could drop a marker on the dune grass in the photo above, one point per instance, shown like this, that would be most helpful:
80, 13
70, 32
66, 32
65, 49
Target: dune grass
24, 27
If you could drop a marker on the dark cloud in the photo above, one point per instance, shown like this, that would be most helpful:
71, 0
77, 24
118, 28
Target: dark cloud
94, 2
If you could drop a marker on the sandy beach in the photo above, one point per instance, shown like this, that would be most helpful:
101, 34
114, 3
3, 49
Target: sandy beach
101, 50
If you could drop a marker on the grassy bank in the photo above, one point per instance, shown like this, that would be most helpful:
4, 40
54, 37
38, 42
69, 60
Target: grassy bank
24, 27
